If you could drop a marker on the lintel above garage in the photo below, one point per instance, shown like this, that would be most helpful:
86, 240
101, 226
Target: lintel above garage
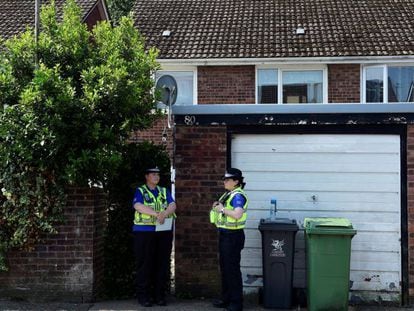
291, 109
237, 114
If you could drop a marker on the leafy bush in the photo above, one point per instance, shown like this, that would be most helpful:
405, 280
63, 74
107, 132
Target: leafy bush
119, 8
66, 119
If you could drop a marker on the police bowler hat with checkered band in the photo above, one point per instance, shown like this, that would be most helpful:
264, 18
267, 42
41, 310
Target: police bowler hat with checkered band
233, 173
152, 170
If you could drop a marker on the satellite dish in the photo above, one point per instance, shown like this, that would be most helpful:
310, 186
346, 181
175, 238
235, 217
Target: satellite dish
167, 86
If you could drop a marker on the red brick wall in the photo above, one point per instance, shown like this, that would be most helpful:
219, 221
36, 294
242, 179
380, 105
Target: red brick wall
100, 214
68, 266
226, 85
410, 209
200, 163
344, 83
155, 134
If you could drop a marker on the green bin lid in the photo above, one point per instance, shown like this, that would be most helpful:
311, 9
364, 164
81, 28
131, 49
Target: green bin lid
328, 225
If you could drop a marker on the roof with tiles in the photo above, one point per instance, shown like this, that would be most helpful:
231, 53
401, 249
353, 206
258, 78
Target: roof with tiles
16, 15
267, 28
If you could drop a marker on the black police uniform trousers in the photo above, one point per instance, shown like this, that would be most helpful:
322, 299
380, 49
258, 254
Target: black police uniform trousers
152, 252
231, 243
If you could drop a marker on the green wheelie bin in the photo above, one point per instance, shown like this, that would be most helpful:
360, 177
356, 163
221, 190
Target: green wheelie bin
328, 254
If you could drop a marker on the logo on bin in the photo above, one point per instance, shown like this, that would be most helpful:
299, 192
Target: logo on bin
277, 250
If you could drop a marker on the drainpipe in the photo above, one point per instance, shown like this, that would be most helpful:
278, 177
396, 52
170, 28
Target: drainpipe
173, 181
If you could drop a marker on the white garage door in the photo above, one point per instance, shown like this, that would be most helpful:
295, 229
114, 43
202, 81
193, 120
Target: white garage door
351, 176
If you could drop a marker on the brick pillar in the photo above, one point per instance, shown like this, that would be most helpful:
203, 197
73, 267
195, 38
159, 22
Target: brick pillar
200, 163
410, 210
68, 266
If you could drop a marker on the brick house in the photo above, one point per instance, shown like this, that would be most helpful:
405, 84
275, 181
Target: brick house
314, 101
68, 266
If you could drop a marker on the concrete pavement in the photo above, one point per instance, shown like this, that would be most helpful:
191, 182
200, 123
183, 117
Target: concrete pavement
174, 305
205, 305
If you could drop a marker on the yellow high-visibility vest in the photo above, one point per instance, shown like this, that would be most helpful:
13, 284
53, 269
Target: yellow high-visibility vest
225, 221
158, 204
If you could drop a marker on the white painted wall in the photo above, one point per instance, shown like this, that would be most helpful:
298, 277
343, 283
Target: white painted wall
351, 176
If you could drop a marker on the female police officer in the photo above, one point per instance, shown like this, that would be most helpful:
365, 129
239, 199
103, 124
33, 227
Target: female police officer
229, 215
152, 204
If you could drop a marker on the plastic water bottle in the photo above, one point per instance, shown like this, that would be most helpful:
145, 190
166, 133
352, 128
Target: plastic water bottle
273, 208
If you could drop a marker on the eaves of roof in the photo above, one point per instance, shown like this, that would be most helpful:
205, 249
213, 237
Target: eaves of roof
287, 60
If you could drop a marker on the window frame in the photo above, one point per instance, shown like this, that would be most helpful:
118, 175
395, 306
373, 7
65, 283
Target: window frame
384, 67
384, 81
193, 69
282, 68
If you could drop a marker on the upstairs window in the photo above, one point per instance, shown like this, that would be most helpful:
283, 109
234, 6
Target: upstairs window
296, 86
302, 87
267, 86
401, 84
374, 84
389, 84
185, 85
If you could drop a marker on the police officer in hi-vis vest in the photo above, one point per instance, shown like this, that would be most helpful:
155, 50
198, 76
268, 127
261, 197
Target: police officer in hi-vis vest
229, 215
153, 206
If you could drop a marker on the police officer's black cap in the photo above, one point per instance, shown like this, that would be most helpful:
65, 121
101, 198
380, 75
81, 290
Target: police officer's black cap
233, 173
154, 169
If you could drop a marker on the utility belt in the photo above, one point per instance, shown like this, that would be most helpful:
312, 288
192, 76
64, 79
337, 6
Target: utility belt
227, 231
